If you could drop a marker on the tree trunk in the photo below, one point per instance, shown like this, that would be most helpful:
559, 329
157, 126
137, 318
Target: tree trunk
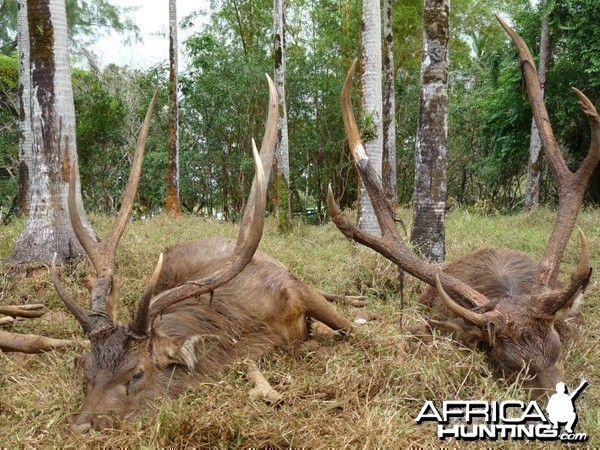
388, 168
534, 168
429, 196
371, 105
173, 205
25, 141
53, 147
283, 206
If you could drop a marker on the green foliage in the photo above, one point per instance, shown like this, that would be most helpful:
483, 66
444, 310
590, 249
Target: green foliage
407, 27
321, 46
576, 63
223, 107
223, 100
367, 129
575, 25
9, 72
497, 110
109, 107
9, 132
8, 26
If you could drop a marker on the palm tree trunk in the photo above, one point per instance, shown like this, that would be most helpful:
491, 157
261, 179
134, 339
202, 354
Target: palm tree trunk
371, 105
53, 151
429, 197
283, 206
26, 143
389, 109
173, 204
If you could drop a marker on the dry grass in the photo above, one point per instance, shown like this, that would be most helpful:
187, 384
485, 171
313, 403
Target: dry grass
363, 392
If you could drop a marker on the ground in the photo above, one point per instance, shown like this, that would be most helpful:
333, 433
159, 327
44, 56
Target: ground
361, 392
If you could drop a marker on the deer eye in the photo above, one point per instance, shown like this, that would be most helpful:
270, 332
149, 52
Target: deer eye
138, 375
132, 383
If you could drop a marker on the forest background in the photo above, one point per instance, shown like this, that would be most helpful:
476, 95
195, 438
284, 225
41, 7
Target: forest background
222, 104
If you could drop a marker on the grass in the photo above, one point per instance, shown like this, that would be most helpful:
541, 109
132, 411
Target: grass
362, 392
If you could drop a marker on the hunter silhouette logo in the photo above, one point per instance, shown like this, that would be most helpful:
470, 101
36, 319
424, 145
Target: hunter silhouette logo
512, 419
561, 406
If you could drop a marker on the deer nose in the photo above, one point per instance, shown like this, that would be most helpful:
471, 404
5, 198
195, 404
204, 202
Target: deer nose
80, 428
539, 394
544, 383
86, 422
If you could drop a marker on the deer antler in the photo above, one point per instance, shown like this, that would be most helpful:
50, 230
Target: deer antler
103, 254
571, 186
390, 244
248, 238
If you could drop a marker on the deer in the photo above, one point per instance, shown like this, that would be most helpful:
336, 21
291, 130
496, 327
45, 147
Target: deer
503, 300
208, 303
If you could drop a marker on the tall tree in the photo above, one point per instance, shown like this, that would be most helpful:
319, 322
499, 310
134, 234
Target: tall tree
53, 147
388, 168
532, 193
372, 132
25, 140
282, 158
87, 21
429, 195
173, 198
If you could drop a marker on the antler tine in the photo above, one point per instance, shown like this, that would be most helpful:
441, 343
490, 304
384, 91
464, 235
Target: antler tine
390, 244
99, 318
386, 220
476, 318
102, 254
588, 165
267, 150
269, 142
571, 187
535, 97
80, 314
249, 235
87, 241
352, 134
553, 301
247, 243
115, 233
139, 322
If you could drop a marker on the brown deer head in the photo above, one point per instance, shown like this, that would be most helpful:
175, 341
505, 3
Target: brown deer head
131, 364
512, 308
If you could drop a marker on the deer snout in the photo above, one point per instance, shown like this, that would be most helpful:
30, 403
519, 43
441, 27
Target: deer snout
544, 384
85, 422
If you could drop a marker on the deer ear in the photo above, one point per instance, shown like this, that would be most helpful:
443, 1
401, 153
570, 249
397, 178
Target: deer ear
185, 351
572, 306
466, 332
463, 331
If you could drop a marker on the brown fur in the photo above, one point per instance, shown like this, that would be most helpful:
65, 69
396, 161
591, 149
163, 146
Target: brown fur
263, 308
495, 272
530, 343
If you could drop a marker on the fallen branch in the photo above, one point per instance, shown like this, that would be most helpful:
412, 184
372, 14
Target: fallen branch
29, 343
29, 311
350, 300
